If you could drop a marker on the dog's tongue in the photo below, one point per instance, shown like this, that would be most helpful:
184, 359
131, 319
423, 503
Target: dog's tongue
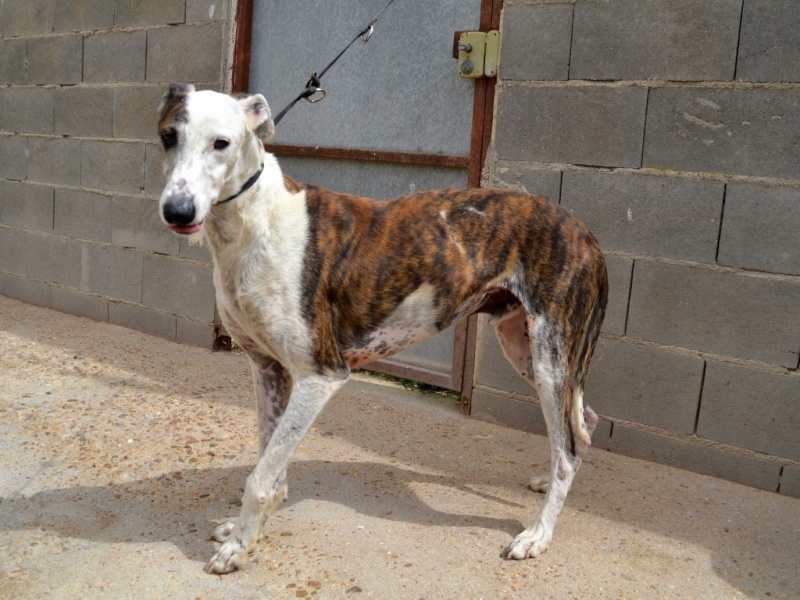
186, 229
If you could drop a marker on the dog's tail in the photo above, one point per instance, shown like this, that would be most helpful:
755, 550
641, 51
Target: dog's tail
580, 419
588, 337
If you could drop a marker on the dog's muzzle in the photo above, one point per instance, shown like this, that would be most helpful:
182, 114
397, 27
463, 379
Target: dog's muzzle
179, 213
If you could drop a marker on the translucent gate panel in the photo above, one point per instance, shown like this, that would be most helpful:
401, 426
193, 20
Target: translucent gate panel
398, 92
371, 179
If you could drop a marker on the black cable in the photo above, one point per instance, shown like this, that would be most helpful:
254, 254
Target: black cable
312, 85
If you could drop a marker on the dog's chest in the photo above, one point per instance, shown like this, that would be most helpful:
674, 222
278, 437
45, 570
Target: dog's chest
260, 307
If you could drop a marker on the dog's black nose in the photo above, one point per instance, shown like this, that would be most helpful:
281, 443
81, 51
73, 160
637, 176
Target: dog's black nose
179, 209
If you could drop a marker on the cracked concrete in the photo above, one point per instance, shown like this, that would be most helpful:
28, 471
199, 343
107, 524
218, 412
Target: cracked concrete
119, 451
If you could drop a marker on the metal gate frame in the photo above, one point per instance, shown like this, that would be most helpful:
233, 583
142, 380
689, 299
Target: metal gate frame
461, 376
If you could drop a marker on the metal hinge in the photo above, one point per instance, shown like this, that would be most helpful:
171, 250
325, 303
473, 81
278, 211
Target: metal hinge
477, 53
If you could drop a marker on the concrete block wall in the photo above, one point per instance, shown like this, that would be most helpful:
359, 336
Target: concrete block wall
80, 166
671, 128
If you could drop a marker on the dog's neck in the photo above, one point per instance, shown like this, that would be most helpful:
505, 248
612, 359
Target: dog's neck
259, 215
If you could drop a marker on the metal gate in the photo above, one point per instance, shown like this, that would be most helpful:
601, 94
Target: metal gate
396, 119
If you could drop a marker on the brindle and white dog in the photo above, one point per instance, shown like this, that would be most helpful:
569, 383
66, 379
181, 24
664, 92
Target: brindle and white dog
312, 283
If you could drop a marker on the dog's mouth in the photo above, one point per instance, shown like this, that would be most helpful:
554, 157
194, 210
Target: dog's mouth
186, 229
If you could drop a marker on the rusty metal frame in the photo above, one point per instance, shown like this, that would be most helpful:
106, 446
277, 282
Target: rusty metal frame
386, 156
243, 37
482, 122
461, 376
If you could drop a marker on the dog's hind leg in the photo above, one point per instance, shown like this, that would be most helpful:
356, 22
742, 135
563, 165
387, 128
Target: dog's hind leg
586, 425
272, 384
511, 329
309, 394
552, 380
512, 332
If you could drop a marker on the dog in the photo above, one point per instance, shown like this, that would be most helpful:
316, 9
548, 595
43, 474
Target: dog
313, 283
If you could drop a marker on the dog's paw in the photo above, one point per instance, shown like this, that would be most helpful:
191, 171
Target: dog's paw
222, 531
539, 484
529, 544
230, 556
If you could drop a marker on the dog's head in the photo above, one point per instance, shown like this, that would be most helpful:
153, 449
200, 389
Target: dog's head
212, 146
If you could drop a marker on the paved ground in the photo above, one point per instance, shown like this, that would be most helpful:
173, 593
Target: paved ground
118, 451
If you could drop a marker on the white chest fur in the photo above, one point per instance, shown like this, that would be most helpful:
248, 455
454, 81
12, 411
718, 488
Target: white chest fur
258, 266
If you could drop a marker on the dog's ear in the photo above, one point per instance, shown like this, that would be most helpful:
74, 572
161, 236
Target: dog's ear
259, 117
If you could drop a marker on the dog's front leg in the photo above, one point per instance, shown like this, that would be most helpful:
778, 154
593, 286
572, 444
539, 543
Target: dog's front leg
310, 392
273, 385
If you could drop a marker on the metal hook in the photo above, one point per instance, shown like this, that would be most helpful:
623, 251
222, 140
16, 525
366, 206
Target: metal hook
313, 89
313, 100
367, 34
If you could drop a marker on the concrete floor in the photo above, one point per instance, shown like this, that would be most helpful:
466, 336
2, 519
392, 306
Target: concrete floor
119, 451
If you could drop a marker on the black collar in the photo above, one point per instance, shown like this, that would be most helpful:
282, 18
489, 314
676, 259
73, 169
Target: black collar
247, 185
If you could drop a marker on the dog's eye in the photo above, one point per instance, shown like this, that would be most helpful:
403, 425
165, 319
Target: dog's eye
169, 138
221, 144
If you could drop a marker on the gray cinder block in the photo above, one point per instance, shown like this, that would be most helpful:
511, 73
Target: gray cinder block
28, 110
137, 224
620, 270
84, 111
12, 250
642, 214
111, 272
12, 61
768, 46
645, 385
53, 259
115, 56
54, 160
81, 305
511, 412
27, 290
131, 13
686, 455
154, 171
27, 205
690, 40
206, 10
185, 53
587, 125
55, 59
83, 215
731, 314
136, 112
117, 166
790, 481
751, 408
534, 181
13, 157
142, 319
195, 333
83, 15
742, 131
27, 17
535, 41
761, 228
179, 286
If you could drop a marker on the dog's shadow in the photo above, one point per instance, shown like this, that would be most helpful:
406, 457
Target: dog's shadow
182, 507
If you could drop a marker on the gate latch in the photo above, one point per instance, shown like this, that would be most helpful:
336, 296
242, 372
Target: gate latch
477, 53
